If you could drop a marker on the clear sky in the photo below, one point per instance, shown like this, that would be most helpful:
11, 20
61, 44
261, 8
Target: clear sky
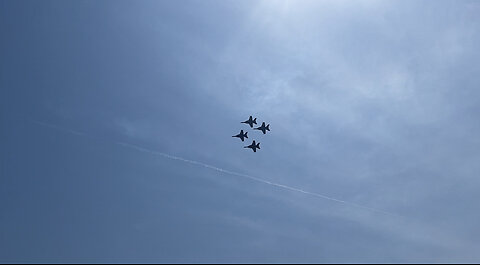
117, 117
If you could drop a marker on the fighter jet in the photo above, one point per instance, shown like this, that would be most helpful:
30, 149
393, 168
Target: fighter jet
241, 135
263, 128
250, 121
253, 146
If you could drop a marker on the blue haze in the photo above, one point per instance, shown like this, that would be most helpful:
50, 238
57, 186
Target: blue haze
371, 102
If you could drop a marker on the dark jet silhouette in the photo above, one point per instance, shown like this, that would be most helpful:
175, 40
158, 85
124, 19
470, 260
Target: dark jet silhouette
253, 146
250, 121
263, 128
241, 135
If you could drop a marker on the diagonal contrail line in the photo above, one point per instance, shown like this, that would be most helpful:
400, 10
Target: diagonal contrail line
145, 150
141, 149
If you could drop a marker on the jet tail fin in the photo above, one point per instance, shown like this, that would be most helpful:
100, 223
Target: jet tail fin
246, 135
255, 120
258, 146
268, 127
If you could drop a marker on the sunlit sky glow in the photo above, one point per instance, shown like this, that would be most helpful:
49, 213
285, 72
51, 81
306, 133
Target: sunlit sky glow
117, 117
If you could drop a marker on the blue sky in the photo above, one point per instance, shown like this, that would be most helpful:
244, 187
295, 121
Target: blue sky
373, 103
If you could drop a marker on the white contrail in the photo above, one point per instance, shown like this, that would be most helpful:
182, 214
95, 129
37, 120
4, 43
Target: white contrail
142, 149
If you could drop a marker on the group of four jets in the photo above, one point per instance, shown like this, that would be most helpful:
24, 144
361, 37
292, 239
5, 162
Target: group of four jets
254, 146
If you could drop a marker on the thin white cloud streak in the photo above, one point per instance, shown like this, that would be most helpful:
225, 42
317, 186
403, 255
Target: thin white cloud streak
145, 150
252, 178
